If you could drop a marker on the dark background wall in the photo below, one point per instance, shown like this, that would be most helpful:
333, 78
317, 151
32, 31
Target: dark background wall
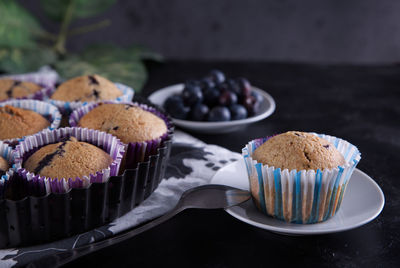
334, 31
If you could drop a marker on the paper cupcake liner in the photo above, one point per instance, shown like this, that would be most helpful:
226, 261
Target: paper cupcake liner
305, 196
66, 107
46, 79
36, 183
6, 153
28, 219
50, 112
135, 151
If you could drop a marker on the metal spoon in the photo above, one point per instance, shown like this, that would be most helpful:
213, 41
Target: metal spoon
204, 197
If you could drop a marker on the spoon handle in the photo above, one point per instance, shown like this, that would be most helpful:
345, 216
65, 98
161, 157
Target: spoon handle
62, 258
205, 196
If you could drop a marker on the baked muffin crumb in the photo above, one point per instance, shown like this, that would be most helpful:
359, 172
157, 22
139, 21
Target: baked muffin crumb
68, 158
127, 122
3, 166
17, 122
87, 88
300, 151
10, 88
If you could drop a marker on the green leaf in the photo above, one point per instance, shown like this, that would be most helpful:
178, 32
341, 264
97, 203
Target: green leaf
144, 53
18, 28
55, 9
131, 73
16, 60
117, 64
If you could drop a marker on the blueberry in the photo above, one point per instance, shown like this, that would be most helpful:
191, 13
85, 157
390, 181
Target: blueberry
172, 101
223, 86
257, 96
216, 76
219, 113
238, 111
211, 96
192, 94
199, 112
251, 105
175, 107
233, 86
227, 98
244, 85
206, 84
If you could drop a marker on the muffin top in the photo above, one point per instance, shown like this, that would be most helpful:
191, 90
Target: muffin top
298, 150
10, 88
17, 123
69, 158
86, 88
3, 166
129, 123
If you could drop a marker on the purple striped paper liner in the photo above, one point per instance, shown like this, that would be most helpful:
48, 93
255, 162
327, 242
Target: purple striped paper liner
38, 184
66, 107
46, 80
136, 152
304, 196
47, 110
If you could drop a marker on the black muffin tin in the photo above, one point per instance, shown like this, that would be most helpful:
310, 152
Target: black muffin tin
26, 219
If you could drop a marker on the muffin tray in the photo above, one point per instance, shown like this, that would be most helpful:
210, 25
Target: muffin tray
27, 219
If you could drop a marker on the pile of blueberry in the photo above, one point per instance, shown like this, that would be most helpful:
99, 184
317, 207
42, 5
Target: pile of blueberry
214, 98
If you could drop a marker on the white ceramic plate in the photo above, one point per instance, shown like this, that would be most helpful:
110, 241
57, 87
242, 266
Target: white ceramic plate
362, 202
266, 109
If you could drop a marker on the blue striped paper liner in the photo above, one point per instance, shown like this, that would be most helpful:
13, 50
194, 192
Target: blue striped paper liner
290, 190
66, 107
47, 110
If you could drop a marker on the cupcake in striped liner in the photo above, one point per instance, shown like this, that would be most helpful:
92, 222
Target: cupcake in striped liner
79, 91
299, 177
143, 128
20, 118
58, 160
36, 86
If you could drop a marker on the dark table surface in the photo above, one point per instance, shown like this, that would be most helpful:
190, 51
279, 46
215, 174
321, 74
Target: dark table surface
360, 104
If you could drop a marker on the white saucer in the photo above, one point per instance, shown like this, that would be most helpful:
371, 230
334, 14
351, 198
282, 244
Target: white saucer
267, 107
362, 202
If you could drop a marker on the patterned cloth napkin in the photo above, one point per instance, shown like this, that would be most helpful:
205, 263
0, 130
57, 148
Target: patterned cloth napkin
192, 163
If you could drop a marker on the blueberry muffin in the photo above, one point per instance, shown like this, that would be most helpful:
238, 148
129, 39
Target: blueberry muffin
69, 158
17, 123
127, 122
86, 88
298, 150
299, 177
3, 166
14, 89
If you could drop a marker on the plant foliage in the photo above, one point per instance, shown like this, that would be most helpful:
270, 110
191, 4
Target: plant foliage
25, 45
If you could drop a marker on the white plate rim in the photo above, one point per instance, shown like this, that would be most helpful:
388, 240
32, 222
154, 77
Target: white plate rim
287, 230
187, 123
